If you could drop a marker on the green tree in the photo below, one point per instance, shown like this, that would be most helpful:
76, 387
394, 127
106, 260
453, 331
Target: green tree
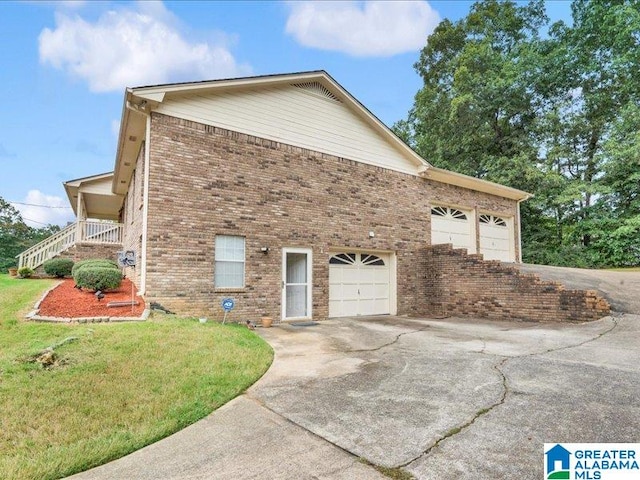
553, 116
590, 75
16, 236
473, 113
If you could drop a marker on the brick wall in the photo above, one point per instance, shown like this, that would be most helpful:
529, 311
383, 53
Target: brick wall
456, 283
206, 181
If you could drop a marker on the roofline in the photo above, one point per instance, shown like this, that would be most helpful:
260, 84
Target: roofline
89, 178
142, 100
156, 94
204, 83
474, 183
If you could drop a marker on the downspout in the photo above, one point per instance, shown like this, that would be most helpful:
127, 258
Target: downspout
140, 109
145, 206
519, 230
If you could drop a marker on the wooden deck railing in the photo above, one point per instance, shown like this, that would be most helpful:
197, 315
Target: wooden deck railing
83, 231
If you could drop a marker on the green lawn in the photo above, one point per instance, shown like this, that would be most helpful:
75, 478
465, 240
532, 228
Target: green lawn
115, 389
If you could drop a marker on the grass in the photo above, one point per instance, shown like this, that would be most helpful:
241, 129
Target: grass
625, 269
117, 388
396, 473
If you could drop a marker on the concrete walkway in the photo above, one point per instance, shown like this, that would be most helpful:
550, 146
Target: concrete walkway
442, 399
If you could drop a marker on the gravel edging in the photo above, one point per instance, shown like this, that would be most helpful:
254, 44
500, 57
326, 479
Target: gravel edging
33, 314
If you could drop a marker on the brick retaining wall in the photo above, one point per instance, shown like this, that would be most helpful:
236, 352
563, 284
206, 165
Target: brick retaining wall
457, 283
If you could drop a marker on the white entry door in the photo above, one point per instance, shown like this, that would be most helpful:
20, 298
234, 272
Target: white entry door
451, 225
495, 238
296, 283
359, 284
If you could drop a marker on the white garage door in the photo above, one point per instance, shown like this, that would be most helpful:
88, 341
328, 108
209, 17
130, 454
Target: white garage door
450, 225
495, 238
359, 284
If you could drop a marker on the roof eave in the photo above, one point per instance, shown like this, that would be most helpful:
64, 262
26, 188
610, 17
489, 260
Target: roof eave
473, 183
130, 137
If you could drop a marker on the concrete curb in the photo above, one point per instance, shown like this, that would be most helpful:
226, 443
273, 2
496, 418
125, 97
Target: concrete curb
38, 318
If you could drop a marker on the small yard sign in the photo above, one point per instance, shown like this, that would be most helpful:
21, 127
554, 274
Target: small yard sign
227, 306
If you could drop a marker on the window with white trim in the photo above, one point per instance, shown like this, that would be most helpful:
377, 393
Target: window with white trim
229, 258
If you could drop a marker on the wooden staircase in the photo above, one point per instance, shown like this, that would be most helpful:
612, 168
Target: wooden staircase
84, 231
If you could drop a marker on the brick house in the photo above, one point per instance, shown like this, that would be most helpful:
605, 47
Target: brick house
288, 195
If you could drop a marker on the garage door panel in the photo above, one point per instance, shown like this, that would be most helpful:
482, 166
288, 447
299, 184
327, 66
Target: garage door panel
381, 304
381, 291
349, 291
438, 237
381, 275
366, 291
335, 291
460, 241
366, 307
349, 308
361, 287
350, 275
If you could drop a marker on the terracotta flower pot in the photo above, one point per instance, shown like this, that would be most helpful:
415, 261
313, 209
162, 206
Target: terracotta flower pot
13, 272
266, 321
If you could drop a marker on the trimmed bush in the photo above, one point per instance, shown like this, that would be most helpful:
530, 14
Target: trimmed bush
98, 278
25, 272
102, 262
58, 267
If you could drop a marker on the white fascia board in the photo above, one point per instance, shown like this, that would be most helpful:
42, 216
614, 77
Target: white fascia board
157, 91
477, 184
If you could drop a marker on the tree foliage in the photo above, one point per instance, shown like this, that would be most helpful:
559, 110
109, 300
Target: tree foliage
16, 236
550, 109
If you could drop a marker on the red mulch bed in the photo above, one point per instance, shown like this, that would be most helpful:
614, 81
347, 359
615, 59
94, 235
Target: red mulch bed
66, 301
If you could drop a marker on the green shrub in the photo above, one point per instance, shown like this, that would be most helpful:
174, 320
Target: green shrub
103, 262
98, 277
58, 267
25, 272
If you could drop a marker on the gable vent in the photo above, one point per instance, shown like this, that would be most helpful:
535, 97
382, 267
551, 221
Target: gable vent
317, 89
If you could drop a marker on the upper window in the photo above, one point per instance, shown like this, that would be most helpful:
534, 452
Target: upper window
343, 259
229, 268
352, 259
448, 212
371, 260
491, 220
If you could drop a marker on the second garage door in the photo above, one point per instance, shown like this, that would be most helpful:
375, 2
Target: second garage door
359, 284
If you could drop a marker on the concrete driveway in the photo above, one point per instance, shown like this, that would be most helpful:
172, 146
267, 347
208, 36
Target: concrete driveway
442, 399
620, 288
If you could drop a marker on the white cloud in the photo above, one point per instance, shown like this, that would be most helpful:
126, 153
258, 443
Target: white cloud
369, 29
131, 47
56, 210
115, 128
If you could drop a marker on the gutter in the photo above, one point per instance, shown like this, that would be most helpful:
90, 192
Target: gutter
141, 109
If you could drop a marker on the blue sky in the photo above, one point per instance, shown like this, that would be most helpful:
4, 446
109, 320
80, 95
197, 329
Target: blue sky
64, 71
